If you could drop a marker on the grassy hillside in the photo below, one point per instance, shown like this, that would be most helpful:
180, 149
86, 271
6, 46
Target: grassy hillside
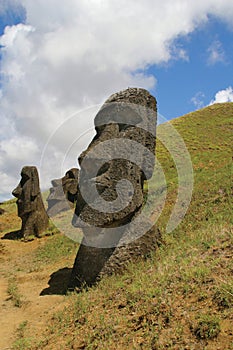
181, 298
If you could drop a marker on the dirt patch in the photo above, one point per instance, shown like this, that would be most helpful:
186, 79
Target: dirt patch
39, 296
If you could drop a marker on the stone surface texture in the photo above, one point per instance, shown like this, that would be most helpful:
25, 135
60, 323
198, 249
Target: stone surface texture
30, 205
63, 192
109, 210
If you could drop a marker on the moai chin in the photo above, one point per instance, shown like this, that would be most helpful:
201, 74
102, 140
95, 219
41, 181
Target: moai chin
30, 205
63, 193
110, 195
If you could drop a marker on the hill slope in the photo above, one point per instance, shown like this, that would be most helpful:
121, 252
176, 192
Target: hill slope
180, 298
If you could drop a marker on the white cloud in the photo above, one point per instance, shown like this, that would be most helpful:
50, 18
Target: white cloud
13, 153
198, 99
216, 53
223, 96
67, 57
7, 181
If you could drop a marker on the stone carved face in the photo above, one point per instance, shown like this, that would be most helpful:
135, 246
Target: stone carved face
110, 200
56, 191
63, 192
70, 184
27, 190
117, 161
30, 205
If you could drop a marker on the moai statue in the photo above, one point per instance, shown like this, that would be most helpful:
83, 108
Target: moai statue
30, 205
111, 196
63, 194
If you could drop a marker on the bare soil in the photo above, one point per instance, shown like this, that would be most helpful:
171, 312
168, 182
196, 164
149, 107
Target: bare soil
38, 299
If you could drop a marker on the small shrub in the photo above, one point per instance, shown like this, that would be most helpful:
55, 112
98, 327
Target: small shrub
207, 328
14, 294
21, 329
22, 344
224, 296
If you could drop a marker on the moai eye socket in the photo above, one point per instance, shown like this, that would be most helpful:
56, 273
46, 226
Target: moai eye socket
70, 175
24, 179
103, 169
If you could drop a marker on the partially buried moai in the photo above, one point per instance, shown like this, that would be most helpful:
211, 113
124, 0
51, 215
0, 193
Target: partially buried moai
30, 205
111, 194
63, 193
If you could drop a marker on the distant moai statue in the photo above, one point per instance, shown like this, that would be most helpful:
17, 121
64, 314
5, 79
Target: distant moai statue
30, 205
63, 192
111, 196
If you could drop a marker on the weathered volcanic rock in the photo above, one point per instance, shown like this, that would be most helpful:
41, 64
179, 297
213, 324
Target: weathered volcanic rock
63, 194
110, 195
30, 205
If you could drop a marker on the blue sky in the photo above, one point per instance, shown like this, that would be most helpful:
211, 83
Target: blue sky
57, 61
10, 16
180, 82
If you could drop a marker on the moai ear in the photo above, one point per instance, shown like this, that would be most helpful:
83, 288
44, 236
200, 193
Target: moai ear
35, 187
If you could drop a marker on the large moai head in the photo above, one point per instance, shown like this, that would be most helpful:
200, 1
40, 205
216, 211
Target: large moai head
29, 202
63, 192
118, 160
111, 197
27, 190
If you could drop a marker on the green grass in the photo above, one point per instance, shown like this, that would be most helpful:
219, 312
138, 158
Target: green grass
54, 249
22, 342
151, 298
208, 135
14, 293
182, 296
223, 295
208, 327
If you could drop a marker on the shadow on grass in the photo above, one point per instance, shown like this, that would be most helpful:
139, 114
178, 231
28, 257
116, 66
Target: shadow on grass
13, 236
58, 282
